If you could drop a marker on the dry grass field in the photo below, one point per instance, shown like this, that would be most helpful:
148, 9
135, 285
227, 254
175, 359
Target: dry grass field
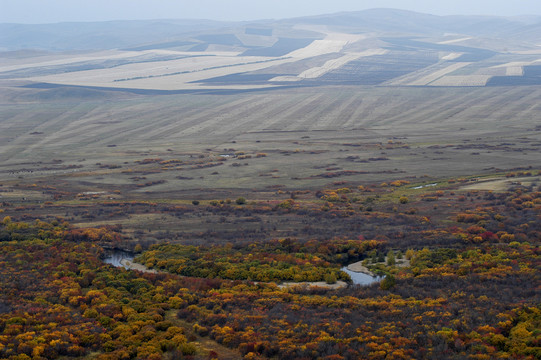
293, 139
292, 106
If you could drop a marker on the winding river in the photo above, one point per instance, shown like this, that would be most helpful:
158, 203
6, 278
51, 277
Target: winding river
119, 258
360, 278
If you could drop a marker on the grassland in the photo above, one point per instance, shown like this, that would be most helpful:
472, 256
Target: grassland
217, 115
84, 154
305, 138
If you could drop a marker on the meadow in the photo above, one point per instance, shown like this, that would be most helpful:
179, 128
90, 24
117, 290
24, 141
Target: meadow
97, 140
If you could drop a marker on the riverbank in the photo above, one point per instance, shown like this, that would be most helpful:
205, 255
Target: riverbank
316, 284
136, 266
125, 260
360, 268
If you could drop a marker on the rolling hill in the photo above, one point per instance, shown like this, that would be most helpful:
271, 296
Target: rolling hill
381, 47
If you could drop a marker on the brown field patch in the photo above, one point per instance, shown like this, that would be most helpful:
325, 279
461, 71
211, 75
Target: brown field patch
501, 184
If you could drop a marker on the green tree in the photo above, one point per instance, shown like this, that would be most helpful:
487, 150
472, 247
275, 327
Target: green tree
388, 282
330, 278
391, 261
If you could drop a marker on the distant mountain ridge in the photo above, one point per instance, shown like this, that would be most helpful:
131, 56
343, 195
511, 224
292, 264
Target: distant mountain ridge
144, 33
378, 47
405, 21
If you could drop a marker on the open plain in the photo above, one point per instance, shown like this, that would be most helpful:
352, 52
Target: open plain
99, 140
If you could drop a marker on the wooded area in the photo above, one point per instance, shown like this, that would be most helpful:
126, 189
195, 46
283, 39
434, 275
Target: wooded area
471, 291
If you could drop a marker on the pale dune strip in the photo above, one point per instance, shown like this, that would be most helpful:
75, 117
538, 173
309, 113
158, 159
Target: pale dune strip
180, 73
318, 71
169, 82
65, 60
450, 56
338, 63
286, 79
512, 64
406, 79
333, 43
109, 55
192, 53
149, 70
417, 76
318, 47
330, 65
528, 52
454, 40
491, 71
425, 80
466, 80
517, 63
514, 71
97, 56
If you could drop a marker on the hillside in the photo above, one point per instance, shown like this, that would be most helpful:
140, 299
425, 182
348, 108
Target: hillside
374, 47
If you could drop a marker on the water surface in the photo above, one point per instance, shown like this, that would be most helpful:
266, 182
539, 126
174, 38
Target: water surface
115, 258
359, 278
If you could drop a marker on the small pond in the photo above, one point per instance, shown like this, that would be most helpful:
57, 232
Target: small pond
424, 186
115, 258
359, 278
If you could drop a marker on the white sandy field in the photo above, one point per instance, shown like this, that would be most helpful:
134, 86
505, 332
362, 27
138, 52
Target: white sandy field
330, 65
191, 69
184, 73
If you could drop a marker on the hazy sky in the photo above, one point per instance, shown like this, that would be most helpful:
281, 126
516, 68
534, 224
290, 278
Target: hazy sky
48, 11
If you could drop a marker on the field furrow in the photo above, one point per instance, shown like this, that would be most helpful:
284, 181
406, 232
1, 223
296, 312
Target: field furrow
424, 110
277, 122
233, 123
271, 116
343, 115
207, 123
281, 116
303, 117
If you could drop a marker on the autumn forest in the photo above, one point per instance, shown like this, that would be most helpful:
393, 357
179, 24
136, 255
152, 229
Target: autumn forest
471, 289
